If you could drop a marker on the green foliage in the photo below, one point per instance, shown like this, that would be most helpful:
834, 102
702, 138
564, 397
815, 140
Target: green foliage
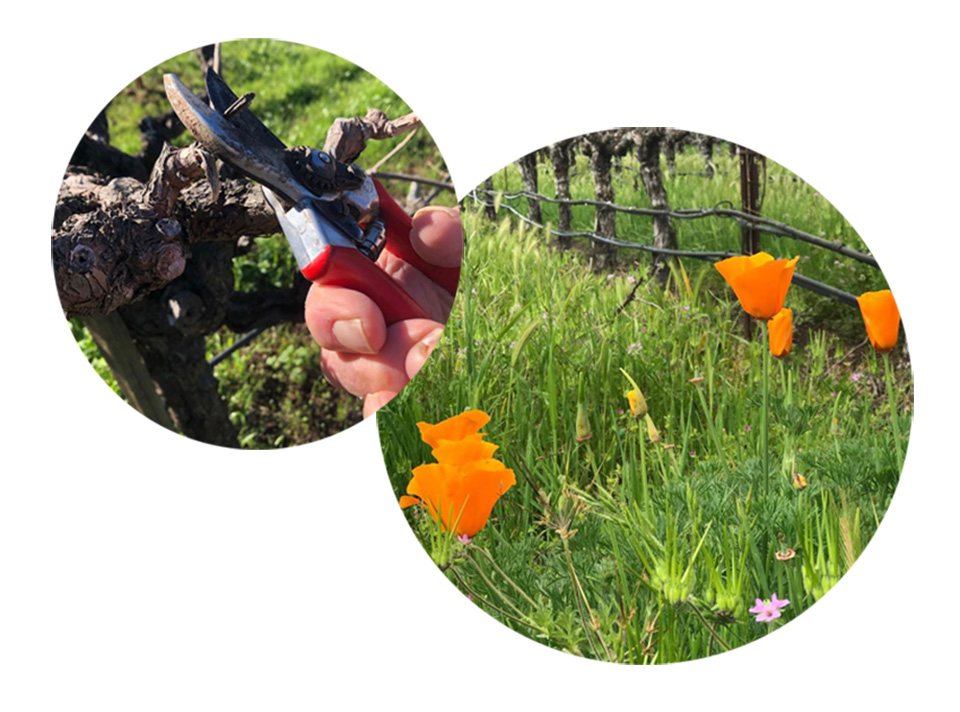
275, 392
616, 547
92, 353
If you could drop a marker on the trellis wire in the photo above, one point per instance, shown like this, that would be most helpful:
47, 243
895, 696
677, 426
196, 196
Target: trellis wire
238, 344
810, 284
772, 227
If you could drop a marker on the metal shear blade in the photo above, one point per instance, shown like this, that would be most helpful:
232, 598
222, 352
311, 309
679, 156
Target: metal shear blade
236, 141
222, 98
346, 218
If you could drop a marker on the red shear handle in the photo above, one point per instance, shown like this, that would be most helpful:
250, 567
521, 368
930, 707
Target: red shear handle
398, 225
347, 267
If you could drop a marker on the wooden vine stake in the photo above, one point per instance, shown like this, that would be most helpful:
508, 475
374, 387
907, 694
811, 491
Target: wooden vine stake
750, 203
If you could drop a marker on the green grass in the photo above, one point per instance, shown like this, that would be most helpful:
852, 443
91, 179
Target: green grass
617, 548
275, 391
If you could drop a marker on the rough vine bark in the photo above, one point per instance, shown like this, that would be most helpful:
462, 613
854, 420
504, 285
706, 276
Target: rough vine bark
347, 138
116, 241
601, 147
560, 158
648, 143
673, 140
705, 147
489, 207
168, 327
528, 174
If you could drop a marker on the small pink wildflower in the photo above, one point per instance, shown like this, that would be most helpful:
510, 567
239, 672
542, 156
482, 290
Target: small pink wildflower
856, 376
631, 279
768, 610
609, 276
464, 539
746, 428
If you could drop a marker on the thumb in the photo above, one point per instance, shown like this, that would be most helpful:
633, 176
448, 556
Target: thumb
437, 235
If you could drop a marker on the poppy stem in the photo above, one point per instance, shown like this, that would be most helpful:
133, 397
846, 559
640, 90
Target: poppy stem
765, 421
894, 418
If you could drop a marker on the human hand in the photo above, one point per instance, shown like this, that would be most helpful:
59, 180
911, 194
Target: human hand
358, 352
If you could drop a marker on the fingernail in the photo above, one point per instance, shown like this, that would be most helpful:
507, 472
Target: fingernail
421, 351
431, 339
452, 212
350, 335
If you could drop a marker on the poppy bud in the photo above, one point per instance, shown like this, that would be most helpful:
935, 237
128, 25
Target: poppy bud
652, 430
638, 404
780, 333
583, 423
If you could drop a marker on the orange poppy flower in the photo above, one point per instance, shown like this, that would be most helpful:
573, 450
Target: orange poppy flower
460, 452
461, 487
759, 281
881, 317
459, 495
780, 334
456, 428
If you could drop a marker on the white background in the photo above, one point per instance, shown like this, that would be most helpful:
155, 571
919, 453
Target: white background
143, 571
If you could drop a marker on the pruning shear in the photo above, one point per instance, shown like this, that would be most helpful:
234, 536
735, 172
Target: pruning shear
336, 218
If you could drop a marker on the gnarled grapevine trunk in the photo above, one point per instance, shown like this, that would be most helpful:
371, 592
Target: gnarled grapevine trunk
602, 146
489, 207
664, 237
560, 159
705, 147
168, 327
673, 140
528, 174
